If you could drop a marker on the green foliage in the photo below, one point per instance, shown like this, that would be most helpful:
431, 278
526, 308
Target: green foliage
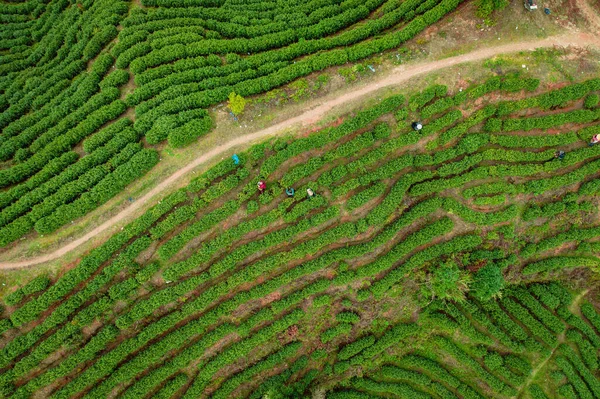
190, 131
366, 195
252, 206
36, 285
486, 7
347, 317
237, 103
487, 282
419, 100
356, 347
448, 282
560, 262
147, 272
333, 332
591, 101
109, 186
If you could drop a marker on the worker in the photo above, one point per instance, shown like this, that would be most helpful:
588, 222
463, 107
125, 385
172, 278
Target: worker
290, 191
417, 126
595, 139
559, 154
310, 192
236, 159
262, 186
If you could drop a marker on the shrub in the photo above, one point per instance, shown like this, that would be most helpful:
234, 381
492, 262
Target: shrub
591, 101
487, 282
252, 206
356, 347
187, 133
147, 272
36, 285
333, 332
559, 262
347, 317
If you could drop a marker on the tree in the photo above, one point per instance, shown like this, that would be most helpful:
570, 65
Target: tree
237, 103
488, 282
448, 282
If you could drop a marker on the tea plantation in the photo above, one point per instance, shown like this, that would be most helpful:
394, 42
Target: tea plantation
458, 261
89, 89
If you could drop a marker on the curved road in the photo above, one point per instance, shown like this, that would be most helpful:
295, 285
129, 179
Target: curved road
396, 76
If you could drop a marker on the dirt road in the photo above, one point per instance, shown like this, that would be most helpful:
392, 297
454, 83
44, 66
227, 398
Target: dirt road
312, 115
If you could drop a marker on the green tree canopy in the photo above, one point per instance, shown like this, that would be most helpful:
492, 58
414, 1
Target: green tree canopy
237, 103
488, 282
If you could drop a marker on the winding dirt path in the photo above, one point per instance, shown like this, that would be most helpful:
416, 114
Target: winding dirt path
396, 76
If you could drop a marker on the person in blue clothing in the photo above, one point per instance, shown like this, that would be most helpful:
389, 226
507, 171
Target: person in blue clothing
236, 159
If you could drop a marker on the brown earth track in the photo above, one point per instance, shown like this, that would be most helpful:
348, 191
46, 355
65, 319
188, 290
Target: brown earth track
311, 116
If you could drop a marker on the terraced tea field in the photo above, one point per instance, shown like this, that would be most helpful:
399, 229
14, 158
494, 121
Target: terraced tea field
458, 261
90, 89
